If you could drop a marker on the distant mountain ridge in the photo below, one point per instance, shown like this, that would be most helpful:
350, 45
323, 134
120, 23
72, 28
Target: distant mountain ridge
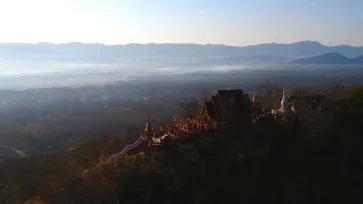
171, 51
330, 59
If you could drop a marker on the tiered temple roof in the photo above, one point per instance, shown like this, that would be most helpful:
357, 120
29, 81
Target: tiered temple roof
226, 100
210, 110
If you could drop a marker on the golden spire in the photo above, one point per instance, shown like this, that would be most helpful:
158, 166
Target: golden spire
148, 131
230, 87
148, 125
254, 100
284, 92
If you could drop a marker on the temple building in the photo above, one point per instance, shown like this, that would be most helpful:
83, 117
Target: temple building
230, 106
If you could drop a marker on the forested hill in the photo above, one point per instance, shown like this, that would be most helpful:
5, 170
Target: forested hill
330, 59
317, 160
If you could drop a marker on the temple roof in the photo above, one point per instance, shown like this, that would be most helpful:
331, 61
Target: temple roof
229, 93
214, 99
210, 109
230, 98
246, 96
234, 100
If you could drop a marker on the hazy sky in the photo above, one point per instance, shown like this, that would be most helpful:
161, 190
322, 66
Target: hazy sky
235, 22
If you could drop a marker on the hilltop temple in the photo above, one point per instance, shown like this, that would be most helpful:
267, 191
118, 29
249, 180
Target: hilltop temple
228, 110
232, 109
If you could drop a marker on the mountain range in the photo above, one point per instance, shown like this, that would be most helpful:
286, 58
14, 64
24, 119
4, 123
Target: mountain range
330, 59
269, 52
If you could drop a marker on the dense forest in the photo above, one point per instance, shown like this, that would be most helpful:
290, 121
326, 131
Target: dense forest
317, 160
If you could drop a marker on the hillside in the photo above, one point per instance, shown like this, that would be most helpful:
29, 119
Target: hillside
81, 51
328, 59
358, 59
312, 161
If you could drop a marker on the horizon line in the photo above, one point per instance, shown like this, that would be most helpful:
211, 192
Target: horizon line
185, 43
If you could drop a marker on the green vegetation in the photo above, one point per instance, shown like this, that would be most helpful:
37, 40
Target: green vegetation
315, 161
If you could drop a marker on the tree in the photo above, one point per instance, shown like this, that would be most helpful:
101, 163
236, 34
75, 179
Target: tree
35, 200
204, 92
357, 98
104, 155
313, 121
269, 92
190, 106
299, 91
336, 90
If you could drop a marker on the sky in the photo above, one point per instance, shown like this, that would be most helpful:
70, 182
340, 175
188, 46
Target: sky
232, 22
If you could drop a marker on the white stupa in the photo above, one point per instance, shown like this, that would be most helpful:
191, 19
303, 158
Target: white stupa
284, 102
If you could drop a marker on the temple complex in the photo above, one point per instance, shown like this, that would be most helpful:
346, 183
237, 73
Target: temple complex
226, 110
233, 107
231, 110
